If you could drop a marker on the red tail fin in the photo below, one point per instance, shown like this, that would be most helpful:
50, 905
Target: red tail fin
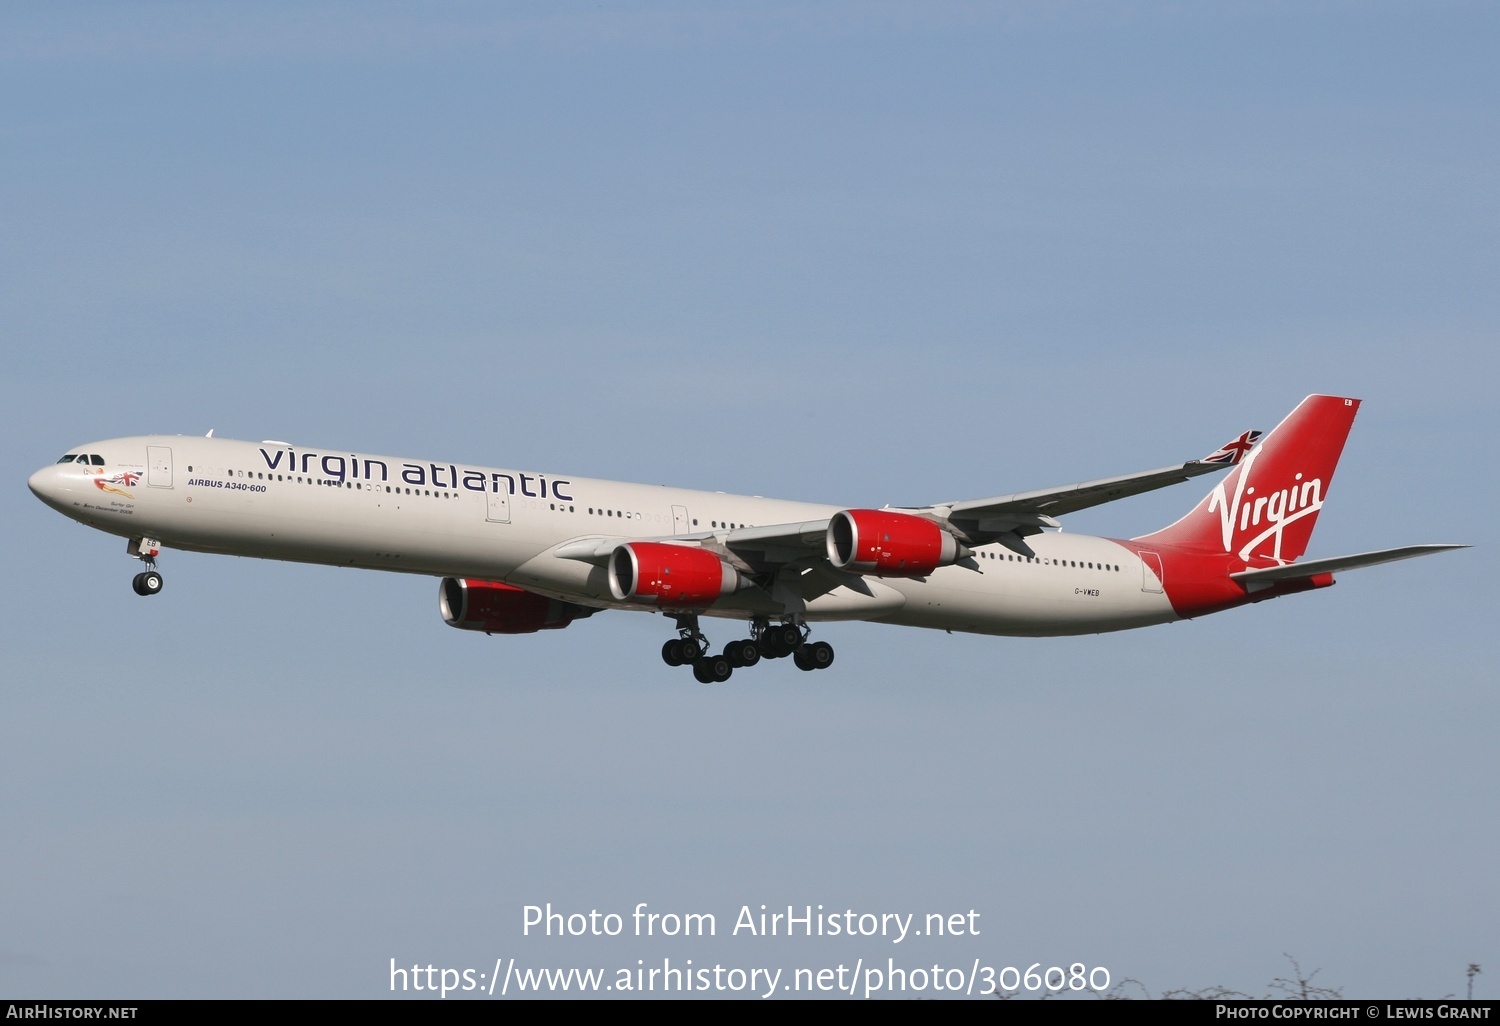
1265, 509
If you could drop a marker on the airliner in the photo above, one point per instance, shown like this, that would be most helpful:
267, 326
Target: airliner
519, 551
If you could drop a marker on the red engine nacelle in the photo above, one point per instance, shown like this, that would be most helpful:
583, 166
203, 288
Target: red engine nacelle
497, 608
875, 541
670, 576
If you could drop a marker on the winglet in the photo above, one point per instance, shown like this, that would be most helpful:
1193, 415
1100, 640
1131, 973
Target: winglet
1233, 452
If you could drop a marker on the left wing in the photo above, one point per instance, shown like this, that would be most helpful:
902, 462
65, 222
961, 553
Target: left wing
1035, 510
1005, 518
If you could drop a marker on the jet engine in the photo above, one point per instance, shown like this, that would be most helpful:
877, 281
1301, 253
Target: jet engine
497, 608
670, 576
886, 544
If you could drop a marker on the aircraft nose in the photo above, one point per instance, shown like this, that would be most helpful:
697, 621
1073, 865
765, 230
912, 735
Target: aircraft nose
46, 484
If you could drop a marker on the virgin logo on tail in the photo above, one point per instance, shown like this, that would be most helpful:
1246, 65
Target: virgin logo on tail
1249, 509
1267, 506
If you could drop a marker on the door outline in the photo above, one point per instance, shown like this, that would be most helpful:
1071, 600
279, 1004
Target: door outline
1153, 577
158, 466
497, 504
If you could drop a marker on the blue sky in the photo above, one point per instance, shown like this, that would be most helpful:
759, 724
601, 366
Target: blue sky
851, 253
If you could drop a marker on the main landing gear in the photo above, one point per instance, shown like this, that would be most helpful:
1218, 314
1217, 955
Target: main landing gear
690, 648
148, 582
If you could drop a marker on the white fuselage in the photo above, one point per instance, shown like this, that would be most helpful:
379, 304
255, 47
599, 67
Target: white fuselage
277, 501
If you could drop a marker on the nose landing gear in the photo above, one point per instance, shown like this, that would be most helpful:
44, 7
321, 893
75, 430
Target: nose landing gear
148, 582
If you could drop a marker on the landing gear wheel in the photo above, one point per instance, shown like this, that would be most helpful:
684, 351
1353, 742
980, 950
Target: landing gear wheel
671, 652
147, 583
742, 653
816, 656
712, 670
691, 650
779, 642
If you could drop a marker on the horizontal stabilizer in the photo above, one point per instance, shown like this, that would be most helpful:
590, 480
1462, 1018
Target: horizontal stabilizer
1310, 567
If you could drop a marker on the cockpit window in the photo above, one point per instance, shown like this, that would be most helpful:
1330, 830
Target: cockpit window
69, 458
97, 461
